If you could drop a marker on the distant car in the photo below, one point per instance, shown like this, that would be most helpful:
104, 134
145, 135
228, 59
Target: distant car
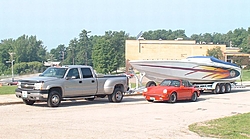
12, 82
171, 90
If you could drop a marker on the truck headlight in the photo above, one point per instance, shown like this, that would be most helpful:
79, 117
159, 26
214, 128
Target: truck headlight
38, 86
18, 84
165, 91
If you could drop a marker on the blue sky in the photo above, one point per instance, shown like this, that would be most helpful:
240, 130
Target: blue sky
59, 21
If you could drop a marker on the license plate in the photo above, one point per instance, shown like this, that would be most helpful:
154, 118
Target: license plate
152, 98
24, 94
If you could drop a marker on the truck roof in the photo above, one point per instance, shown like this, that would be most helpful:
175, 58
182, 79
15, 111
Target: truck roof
75, 66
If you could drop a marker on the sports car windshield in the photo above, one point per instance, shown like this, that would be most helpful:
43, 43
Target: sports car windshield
168, 82
54, 72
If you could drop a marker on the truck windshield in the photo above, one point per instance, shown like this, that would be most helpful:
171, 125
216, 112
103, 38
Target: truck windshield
54, 72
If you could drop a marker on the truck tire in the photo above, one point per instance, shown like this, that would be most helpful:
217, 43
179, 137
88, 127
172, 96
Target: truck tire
228, 88
172, 98
89, 99
28, 102
117, 95
54, 99
150, 83
110, 98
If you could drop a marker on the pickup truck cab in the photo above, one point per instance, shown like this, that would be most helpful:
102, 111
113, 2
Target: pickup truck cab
71, 82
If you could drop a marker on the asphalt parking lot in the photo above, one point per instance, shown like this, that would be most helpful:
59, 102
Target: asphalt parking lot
133, 118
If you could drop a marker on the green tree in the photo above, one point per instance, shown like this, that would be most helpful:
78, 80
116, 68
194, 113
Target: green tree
215, 52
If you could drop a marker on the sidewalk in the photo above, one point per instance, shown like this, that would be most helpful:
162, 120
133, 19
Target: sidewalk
12, 99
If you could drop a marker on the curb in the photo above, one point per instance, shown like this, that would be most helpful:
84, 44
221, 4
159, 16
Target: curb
10, 103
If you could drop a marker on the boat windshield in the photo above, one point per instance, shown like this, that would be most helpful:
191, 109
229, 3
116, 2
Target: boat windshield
54, 72
168, 82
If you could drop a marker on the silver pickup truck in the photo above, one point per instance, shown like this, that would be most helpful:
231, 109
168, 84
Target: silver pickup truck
71, 82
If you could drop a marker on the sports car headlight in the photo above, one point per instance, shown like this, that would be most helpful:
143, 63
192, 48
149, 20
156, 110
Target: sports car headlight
145, 90
165, 91
38, 86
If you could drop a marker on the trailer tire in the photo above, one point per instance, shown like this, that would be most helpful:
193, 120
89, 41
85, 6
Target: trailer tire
172, 98
150, 83
117, 95
217, 89
222, 88
228, 88
110, 98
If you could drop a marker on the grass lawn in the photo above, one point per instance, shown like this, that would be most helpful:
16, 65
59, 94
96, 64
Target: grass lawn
7, 90
245, 75
234, 127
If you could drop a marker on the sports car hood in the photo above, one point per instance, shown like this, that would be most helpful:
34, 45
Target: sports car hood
159, 89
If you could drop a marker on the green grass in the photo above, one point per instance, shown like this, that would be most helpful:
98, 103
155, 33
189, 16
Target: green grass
234, 127
245, 75
4, 90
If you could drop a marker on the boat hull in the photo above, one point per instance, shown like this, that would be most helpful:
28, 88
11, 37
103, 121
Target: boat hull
195, 72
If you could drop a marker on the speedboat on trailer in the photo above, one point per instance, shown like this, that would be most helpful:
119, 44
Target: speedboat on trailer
196, 69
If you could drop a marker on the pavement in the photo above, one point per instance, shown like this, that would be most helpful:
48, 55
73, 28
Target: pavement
12, 99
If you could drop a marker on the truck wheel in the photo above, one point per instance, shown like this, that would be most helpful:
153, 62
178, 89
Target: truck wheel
217, 89
110, 98
54, 99
117, 95
194, 97
150, 83
89, 99
228, 88
28, 102
172, 98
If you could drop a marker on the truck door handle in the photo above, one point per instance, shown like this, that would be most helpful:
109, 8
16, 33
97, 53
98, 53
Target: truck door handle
93, 81
80, 81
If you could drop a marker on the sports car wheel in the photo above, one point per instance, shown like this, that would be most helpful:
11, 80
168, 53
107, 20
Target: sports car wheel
194, 97
172, 98
150, 83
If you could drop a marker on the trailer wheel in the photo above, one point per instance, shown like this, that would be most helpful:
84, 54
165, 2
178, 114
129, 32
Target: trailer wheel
194, 97
172, 98
150, 83
110, 98
117, 95
222, 88
228, 88
217, 89
28, 102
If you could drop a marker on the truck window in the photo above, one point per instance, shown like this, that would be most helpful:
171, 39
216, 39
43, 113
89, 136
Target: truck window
73, 72
86, 73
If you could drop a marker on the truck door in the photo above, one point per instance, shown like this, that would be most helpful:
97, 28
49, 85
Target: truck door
73, 84
89, 82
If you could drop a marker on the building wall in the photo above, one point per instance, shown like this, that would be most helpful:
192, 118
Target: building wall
166, 49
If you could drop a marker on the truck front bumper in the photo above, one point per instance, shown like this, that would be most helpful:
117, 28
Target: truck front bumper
40, 95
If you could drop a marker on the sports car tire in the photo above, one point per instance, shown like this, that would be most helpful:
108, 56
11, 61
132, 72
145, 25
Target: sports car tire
150, 83
194, 97
172, 98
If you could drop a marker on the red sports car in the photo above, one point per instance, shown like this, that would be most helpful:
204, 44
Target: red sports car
171, 90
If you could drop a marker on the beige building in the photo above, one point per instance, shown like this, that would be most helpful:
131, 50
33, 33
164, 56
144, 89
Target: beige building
175, 50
